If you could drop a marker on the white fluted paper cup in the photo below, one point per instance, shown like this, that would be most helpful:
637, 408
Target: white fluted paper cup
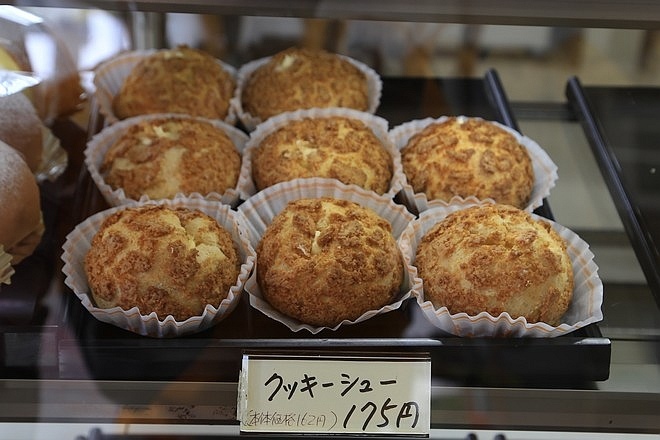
250, 122
379, 126
111, 74
584, 309
54, 158
545, 170
100, 143
6, 270
78, 243
260, 209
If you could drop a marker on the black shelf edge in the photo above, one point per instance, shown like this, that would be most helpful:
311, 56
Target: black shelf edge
607, 163
497, 95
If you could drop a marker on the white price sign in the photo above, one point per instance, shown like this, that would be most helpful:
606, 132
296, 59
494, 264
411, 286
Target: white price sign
335, 394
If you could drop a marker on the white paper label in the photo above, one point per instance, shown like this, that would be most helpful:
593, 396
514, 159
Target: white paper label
333, 394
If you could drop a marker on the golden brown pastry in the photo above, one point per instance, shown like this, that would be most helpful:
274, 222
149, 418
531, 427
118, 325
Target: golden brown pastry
171, 261
468, 157
304, 78
21, 225
495, 259
164, 156
179, 80
21, 128
322, 261
334, 147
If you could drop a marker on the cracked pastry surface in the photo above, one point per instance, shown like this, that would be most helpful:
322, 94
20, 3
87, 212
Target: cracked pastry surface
301, 78
171, 261
468, 157
334, 147
322, 261
165, 156
495, 259
179, 80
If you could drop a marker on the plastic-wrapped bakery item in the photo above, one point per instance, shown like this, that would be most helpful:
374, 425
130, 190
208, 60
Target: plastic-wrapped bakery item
22, 129
27, 44
21, 222
6, 270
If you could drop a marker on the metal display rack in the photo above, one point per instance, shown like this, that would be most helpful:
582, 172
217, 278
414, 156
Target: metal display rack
114, 354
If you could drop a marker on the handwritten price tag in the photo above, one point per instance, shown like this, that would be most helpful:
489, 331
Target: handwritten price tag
335, 394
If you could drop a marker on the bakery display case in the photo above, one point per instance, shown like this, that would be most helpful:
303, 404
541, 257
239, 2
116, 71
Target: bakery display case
67, 374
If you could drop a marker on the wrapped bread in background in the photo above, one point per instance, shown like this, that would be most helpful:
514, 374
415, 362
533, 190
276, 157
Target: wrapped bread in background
27, 44
21, 224
21, 128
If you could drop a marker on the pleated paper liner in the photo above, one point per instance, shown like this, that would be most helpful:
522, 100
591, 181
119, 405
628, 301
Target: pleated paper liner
6, 270
54, 158
102, 141
545, 170
110, 75
78, 243
250, 122
21, 250
585, 307
379, 126
260, 209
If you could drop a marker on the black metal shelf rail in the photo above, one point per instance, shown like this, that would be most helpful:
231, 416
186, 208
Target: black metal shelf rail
624, 201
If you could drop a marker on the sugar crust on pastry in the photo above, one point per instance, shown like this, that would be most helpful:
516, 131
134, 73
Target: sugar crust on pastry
495, 259
172, 261
468, 157
179, 80
336, 147
165, 156
300, 78
322, 261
